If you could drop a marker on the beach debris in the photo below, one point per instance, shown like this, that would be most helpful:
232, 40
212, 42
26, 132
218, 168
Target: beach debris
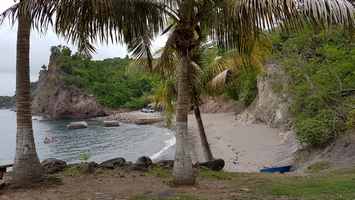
77, 125
111, 123
113, 163
53, 165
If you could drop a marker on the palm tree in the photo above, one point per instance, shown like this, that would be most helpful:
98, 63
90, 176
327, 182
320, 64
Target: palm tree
27, 167
230, 23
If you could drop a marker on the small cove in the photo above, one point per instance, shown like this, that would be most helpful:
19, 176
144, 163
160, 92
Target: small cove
97, 142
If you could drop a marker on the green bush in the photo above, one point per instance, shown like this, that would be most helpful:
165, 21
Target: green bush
318, 130
136, 103
321, 70
108, 80
243, 87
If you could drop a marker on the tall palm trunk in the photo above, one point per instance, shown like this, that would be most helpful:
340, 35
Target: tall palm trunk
204, 142
27, 168
183, 170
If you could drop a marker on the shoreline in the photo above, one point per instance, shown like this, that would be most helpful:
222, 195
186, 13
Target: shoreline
245, 148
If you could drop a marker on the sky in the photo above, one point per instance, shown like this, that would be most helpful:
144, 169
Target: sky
39, 51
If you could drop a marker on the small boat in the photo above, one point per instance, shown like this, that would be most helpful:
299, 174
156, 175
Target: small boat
283, 169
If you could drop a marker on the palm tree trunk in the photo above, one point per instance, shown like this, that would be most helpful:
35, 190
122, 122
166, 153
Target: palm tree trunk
204, 142
27, 168
183, 170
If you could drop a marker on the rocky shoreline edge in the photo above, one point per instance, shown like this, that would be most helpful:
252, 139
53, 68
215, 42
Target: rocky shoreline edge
143, 164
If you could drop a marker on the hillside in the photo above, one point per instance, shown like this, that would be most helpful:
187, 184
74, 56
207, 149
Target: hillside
75, 86
7, 102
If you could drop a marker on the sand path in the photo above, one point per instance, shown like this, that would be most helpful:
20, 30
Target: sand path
245, 148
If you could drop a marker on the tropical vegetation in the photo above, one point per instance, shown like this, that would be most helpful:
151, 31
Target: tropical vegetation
111, 81
322, 82
229, 23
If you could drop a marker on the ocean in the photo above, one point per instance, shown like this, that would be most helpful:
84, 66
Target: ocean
96, 142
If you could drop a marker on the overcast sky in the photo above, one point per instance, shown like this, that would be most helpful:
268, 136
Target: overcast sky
40, 45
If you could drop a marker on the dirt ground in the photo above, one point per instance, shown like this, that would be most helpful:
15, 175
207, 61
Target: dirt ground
120, 184
115, 185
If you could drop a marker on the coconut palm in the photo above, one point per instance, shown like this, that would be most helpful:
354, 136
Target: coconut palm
27, 167
230, 23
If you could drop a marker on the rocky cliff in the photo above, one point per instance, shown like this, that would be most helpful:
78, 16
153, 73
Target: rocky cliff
54, 99
272, 103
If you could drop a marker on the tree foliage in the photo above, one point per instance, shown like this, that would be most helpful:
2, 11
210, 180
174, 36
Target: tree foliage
322, 86
108, 80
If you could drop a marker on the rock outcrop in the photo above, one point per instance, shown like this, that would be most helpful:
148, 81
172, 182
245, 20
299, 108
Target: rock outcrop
54, 99
272, 104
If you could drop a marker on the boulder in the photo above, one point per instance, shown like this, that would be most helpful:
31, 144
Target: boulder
111, 123
215, 165
77, 125
113, 163
53, 165
142, 164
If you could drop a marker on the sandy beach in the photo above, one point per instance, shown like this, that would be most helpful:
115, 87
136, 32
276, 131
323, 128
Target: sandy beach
244, 147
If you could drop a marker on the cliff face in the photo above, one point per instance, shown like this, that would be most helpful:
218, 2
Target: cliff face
270, 107
54, 99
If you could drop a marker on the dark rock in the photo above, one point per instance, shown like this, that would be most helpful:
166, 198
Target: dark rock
142, 164
144, 161
53, 165
165, 163
113, 163
215, 165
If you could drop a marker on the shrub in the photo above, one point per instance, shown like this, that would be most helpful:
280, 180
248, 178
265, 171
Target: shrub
243, 87
321, 71
316, 131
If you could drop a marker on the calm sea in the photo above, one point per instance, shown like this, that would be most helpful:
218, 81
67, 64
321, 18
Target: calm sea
98, 143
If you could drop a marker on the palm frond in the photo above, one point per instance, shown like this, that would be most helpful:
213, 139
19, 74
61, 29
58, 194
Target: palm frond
128, 21
140, 48
236, 24
168, 59
41, 13
220, 81
10, 13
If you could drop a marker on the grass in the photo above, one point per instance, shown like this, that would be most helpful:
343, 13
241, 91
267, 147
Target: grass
318, 167
329, 186
334, 185
74, 170
214, 175
159, 172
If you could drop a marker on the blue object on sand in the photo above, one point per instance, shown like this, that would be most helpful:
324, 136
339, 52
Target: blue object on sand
281, 170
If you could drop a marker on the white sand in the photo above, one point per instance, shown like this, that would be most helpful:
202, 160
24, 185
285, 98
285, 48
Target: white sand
245, 148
